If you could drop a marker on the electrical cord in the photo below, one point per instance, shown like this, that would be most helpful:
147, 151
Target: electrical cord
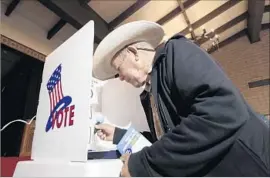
18, 120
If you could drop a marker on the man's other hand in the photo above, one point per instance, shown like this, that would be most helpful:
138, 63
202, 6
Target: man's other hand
125, 171
105, 131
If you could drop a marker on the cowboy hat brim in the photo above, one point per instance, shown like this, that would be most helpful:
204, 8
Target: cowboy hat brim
122, 36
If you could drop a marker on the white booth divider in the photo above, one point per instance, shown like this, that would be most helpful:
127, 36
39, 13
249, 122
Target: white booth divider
121, 105
62, 133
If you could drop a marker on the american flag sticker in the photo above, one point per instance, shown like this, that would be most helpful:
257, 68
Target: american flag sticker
61, 112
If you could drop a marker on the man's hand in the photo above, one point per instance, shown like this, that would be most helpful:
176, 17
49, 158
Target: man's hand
105, 132
125, 171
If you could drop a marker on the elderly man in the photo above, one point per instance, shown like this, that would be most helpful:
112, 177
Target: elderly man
199, 121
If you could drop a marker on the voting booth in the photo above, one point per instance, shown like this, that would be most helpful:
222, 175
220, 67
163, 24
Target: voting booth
70, 100
62, 135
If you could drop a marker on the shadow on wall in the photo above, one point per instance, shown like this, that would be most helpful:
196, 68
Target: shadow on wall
121, 105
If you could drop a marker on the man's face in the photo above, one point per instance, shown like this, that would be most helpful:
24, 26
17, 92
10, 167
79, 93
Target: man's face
130, 67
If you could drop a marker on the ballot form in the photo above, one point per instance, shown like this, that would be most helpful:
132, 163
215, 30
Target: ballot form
61, 136
132, 142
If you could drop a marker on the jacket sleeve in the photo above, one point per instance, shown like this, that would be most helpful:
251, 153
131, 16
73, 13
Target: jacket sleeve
216, 112
118, 135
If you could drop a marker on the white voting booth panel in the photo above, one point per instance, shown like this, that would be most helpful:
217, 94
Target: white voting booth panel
62, 133
121, 104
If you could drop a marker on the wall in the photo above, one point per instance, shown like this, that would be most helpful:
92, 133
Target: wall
19, 97
245, 62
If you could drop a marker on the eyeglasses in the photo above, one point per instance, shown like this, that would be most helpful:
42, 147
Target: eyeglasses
143, 49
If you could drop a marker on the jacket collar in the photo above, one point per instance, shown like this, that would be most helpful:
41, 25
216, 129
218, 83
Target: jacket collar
161, 49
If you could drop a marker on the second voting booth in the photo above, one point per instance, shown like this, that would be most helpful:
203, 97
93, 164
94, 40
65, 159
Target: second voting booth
69, 101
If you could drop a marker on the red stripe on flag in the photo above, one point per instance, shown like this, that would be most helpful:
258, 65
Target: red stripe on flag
53, 97
51, 107
55, 94
61, 91
58, 91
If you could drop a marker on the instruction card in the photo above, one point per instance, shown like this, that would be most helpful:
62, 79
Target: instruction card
132, 142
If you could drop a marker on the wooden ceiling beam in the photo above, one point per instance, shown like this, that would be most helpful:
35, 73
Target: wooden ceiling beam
75, 15
225, 27
56, 28
211, 15
191, 30
84, 4
255, 14
12, 5
187, 4
61, 13
127, 13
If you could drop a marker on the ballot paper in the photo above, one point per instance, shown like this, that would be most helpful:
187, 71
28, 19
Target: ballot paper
132, 142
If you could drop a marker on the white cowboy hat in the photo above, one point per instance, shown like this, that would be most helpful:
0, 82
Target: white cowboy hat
116, 40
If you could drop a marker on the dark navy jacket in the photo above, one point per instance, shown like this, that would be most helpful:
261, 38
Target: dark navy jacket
210, 129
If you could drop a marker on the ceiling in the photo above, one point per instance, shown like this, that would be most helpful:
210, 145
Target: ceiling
226, 16
58, 20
